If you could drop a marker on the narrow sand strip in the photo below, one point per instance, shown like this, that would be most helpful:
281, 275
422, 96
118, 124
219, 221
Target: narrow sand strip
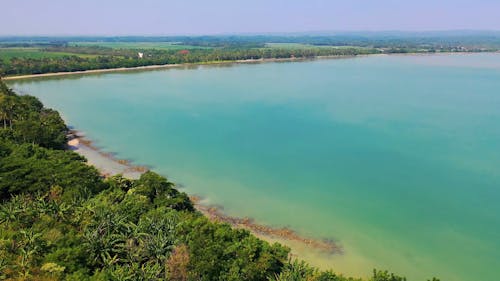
106, 163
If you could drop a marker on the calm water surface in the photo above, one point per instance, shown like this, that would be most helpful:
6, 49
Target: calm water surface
395, 157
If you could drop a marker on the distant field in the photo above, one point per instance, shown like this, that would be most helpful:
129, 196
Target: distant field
289, 45
33, 53
303, 46
138, 45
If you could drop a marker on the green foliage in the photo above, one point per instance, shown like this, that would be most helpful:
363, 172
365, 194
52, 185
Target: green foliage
296, 271
218, 252
301, 271
379, 275
161, 192
30, 168
24, 120
45, 128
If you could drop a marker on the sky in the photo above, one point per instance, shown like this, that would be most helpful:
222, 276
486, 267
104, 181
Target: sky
197, 17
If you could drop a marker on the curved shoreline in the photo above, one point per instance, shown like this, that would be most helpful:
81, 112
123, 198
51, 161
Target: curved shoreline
178, 65
81, 145
225, 62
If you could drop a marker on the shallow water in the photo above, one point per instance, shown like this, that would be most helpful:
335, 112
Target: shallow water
395, 157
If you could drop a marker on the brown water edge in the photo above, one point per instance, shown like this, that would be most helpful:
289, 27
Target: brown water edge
215, 213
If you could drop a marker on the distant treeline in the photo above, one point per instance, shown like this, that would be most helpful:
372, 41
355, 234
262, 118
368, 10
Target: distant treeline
445, 39
31, 44
60, 220
361, 40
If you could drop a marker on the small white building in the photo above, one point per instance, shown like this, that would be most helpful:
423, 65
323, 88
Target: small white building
140, 55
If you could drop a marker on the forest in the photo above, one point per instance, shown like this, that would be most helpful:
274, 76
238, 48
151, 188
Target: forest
61, 220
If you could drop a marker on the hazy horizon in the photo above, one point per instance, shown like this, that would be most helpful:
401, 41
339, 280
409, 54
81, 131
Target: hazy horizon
450, 32
224, 17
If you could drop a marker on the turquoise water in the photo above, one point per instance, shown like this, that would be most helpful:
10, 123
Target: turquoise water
395, 157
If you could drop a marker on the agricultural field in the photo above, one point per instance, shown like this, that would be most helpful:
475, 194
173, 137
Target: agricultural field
288, 45
139, 45
305, 46
7, 54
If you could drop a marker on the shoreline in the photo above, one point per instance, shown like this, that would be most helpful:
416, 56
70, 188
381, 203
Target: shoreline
108, 165
226, 62
105, 162
215, 213
167, 66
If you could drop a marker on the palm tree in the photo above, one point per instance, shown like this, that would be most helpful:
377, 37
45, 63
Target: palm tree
7, 106
30, 246
3, 266
295, 271
106, 235
9, 212
161, 237
3, 110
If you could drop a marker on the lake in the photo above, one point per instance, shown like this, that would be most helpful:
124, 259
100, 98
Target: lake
397, 158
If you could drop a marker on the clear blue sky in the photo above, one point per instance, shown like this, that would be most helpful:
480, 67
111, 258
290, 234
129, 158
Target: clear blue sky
165, 17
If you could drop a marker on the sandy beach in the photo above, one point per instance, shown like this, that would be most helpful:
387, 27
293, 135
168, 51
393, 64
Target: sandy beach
106, 163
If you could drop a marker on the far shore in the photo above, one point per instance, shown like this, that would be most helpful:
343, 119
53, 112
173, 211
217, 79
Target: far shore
162, 66
226, 62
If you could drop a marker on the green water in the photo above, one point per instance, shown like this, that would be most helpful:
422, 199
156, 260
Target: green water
395, 157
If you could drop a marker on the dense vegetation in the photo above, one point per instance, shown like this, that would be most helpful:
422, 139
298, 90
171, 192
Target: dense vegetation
105, 58
36, 55
60, 220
